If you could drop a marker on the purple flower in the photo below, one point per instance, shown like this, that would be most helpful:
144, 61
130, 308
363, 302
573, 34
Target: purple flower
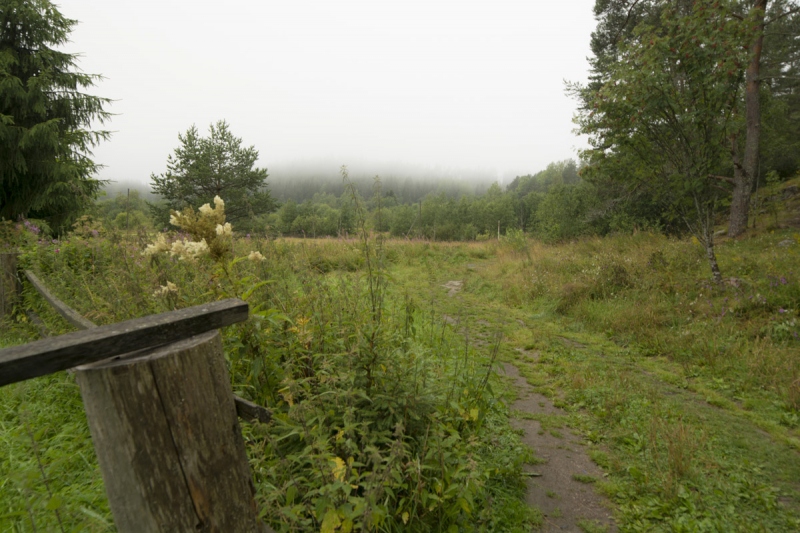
781, 310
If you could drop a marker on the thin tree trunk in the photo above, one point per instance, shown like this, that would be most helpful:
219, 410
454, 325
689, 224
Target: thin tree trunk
712, 256
745, 174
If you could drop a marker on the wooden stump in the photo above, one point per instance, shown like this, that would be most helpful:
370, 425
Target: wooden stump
168, 441
10, 288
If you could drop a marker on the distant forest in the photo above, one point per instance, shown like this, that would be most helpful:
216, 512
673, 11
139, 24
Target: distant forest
553, 204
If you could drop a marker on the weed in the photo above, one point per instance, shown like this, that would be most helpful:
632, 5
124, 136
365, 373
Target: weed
592, 526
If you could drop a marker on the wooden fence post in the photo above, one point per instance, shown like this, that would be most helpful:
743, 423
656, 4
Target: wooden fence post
10, 288
168, 441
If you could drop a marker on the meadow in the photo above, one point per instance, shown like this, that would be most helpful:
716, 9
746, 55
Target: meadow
390, 415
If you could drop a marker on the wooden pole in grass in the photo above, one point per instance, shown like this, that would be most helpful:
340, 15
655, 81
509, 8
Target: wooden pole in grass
164, 426
9, 284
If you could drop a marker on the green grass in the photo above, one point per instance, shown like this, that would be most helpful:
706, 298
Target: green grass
686, 394
384, 390
691, 411
42, 423
592, 526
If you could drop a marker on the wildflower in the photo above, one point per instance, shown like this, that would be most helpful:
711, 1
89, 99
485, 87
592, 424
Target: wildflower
195, 249
227, 229
165, 290
206, 209
160, 245
219, 203
781, 310
177, 248
173, 220
255, 256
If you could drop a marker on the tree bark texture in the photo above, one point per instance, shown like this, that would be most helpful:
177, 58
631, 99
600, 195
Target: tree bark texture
745, 174
716, 275
9, 284
168, 441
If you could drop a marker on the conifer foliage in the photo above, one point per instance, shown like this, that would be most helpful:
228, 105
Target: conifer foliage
46, 167
217, 165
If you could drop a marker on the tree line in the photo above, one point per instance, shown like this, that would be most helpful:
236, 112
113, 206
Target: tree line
689, 105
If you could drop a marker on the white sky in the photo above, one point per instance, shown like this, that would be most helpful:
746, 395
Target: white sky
455, 84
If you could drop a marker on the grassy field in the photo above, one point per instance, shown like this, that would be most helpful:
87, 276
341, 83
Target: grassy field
687, 394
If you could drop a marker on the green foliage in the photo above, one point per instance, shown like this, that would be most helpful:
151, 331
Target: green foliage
381, 418
51, 481
124, 211
45, 137
554, 204
205, 167
562, 214
666, 116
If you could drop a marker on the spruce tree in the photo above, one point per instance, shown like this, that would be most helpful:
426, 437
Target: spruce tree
45, 117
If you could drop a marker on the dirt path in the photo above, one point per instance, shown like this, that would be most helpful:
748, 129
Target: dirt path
564, 500
561, 483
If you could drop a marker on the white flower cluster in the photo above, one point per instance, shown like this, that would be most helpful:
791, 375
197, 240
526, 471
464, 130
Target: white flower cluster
188, 250
161, 245
255, 256
217, 212
165, 290
227, 229
219, 206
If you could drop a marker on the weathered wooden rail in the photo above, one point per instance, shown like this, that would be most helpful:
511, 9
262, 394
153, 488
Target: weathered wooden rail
161, 412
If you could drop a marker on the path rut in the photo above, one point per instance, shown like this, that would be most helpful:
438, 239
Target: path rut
563, 500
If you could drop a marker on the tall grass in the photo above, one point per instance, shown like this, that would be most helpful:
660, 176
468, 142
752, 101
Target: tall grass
383, 421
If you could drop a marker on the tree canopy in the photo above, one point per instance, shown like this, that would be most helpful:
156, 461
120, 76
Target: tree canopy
45, 117
218, 165
665, 117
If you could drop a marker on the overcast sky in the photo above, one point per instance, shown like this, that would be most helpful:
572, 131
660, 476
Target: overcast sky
454, 84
